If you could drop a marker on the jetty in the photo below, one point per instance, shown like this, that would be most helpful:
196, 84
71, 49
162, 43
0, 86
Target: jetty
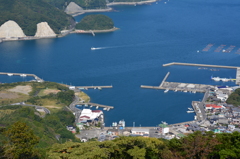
22, 75
94, 105
206, 65
199, 65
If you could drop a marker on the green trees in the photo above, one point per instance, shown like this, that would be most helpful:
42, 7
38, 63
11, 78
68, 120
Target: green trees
20, 141
234, 98
123, 147
95, 22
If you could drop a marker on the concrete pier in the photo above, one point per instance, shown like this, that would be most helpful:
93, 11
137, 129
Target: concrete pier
199, 65
23, 75
93, 87
238, 76
165, 78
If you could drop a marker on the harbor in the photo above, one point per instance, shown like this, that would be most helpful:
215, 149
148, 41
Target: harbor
38, 79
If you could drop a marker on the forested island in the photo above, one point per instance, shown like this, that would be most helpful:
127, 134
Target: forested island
95, 22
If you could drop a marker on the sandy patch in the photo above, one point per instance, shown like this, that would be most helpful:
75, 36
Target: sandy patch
21, 89
8, 95
48, 91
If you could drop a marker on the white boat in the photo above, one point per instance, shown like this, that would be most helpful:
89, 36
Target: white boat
93, 48
23, 75
185, 91
104, 108
9, 74
225, 79
190, 111
216, 78
190, 108
175, 90
96, 107
166, 90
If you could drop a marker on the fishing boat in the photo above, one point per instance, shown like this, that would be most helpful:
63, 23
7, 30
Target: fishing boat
93, 48
9, 74
190, 108
190, 111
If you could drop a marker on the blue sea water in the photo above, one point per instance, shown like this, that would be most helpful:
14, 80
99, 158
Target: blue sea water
149, 36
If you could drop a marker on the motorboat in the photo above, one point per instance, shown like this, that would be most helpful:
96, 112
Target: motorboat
216, 78
93, 48
190, 111
9, 74
166, 90
190, 108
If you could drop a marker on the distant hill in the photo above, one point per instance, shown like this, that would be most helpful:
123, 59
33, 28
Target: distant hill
27, 13
95, 22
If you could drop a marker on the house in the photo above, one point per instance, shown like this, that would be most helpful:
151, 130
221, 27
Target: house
223, 97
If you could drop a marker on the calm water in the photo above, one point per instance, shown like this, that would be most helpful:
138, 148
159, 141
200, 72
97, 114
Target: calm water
149, 36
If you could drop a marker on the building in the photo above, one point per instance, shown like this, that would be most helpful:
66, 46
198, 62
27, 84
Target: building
88, 115
140, 131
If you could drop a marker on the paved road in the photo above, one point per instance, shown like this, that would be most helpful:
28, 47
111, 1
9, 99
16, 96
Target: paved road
36, 106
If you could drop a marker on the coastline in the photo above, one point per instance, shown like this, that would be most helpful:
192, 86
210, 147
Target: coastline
131, 3
94, 31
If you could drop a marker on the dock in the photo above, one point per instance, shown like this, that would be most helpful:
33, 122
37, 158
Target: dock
22, 75
95, 105
206, 65
199, 65
164, 79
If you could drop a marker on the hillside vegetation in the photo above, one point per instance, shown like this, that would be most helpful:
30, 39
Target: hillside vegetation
45, 128
234, 98
95, 22
27, 13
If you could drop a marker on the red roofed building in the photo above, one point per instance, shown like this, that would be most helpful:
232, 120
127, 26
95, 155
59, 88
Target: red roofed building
213, 106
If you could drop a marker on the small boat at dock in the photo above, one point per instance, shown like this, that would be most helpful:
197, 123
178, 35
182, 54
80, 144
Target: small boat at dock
9, 74
190, 108
190, 111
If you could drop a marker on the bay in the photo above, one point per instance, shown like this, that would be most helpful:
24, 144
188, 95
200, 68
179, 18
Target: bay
149, 36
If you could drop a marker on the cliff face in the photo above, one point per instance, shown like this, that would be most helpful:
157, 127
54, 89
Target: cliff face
44, 30
11, 29
73, 8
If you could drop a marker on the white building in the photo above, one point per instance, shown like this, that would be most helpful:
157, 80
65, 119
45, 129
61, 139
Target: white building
89, 115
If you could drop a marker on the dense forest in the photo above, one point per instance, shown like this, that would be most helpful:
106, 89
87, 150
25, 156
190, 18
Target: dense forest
95, 22
194, 146
234, 98
27, 13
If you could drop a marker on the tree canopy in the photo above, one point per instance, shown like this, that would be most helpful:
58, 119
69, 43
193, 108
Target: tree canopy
95, 22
